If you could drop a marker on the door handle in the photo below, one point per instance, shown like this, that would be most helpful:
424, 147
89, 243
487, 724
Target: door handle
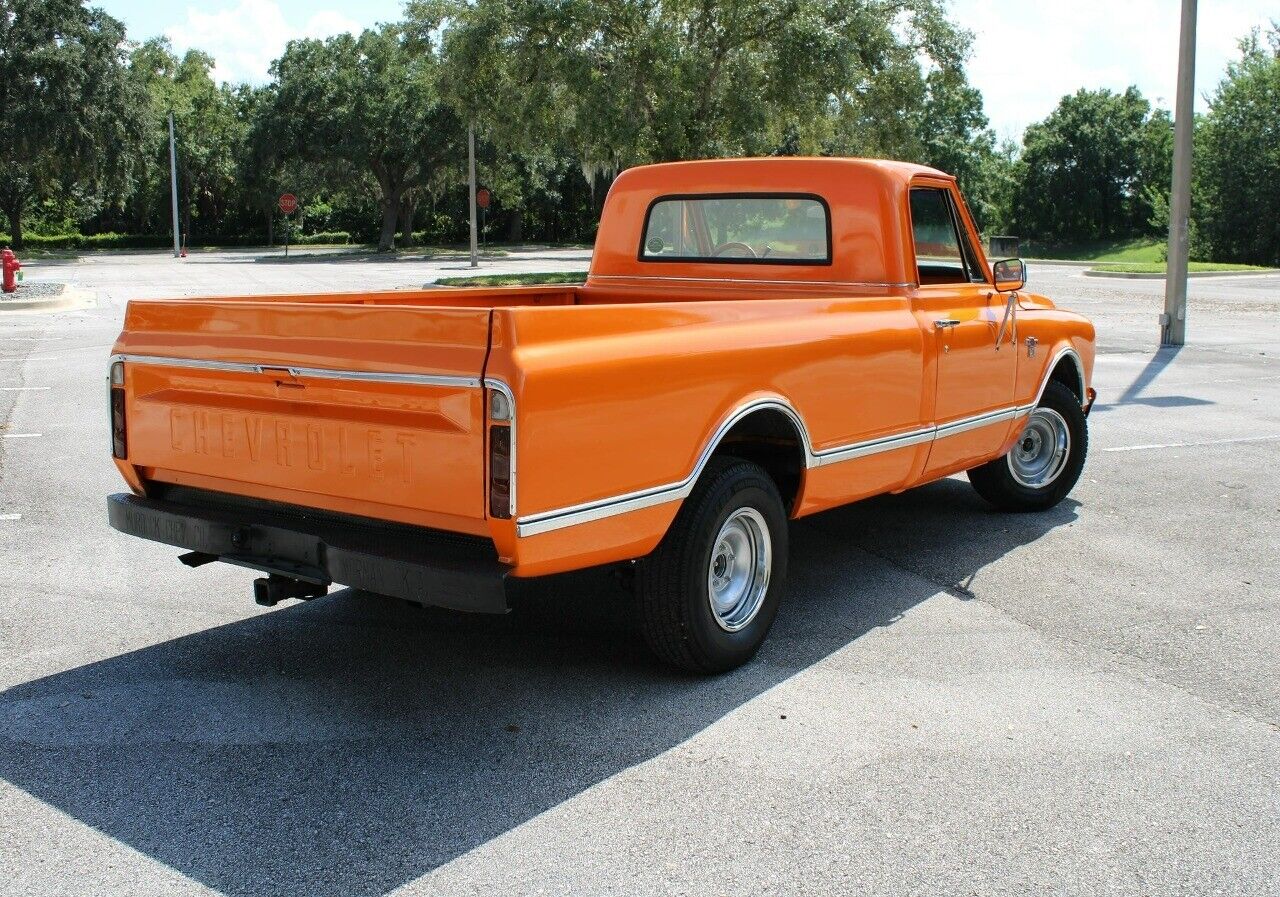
945, 323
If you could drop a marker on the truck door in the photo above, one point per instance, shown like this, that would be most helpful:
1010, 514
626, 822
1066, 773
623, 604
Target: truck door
976, 362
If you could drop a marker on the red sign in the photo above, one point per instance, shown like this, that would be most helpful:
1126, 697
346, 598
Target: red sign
483, 197
288, 203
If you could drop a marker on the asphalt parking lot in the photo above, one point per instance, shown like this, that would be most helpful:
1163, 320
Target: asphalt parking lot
953, 701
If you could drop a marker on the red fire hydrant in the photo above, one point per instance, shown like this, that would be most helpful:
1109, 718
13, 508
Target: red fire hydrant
9, 264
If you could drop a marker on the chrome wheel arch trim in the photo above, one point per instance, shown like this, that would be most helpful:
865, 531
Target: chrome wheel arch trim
1065, 352
586, 512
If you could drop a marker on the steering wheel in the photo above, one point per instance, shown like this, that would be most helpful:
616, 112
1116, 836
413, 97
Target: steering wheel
733, 244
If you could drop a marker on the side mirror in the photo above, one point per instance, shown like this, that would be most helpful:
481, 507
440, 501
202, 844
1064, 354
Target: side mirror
1010, 274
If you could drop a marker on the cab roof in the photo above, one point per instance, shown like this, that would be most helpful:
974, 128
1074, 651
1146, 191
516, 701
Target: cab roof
867, 199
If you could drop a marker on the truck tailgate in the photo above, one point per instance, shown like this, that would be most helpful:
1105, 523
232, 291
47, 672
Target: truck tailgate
368, 409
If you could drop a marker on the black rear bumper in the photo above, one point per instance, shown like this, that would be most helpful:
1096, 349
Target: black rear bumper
418, 564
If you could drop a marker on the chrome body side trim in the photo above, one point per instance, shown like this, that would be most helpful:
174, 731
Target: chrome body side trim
548, 521
774, 283
965, 424
241, 367
872, 447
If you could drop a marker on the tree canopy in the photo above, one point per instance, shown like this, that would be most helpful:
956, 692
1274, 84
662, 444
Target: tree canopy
370, 104
1082, 172
1236, 204
370, 129
626, 82
70, 116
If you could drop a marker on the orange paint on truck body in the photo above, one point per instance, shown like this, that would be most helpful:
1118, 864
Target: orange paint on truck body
379, 404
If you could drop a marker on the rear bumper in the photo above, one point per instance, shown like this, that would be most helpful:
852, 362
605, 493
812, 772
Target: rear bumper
421, 565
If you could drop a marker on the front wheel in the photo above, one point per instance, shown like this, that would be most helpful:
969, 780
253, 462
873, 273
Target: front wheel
1046, 461
709, 593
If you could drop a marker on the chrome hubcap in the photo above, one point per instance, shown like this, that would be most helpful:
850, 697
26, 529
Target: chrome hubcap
738, 570
1042, 451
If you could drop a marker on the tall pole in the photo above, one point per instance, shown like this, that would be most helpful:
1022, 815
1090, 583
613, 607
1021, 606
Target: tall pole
173, 186
471, 177
1173, 323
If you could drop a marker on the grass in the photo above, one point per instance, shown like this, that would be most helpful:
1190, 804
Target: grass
1136, 255
1138, 250
1159, 267
511, 280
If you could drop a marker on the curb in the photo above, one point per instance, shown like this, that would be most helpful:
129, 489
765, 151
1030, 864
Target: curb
67, 299
1126, 275
1057, 263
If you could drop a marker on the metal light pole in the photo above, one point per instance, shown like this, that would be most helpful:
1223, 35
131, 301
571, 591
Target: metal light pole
1173, 323
471, 178
173, 185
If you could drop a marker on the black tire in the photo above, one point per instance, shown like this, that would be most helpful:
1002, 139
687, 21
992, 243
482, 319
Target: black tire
672, 584
996, 482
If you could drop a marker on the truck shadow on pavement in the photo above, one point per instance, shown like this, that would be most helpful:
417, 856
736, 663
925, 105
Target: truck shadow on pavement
353, 744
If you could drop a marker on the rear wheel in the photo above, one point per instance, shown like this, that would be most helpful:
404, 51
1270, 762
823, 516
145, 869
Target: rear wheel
1046, 461
709, 593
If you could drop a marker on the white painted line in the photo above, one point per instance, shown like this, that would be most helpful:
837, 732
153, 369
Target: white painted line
10, 516
1164, 445
19, 435
24, 388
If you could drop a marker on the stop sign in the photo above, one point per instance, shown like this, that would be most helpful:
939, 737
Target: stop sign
288, 203
483, 197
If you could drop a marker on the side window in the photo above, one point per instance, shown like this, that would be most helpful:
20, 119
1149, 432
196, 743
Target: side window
939, 257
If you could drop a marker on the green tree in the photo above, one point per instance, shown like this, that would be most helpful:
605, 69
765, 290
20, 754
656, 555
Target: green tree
1081, 173
211, 123
623, 82
369, 104
1236, 205
71, 119
955, 137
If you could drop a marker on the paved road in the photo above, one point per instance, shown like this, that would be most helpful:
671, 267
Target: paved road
953, 701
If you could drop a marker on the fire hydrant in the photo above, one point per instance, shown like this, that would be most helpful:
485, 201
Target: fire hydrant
10, 265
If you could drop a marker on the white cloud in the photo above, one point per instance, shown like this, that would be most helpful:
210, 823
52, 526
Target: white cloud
1027, 56
246, 38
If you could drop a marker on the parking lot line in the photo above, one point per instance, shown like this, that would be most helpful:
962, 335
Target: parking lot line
1207, 442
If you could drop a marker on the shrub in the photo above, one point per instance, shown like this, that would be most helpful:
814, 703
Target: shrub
334, 236
95, 241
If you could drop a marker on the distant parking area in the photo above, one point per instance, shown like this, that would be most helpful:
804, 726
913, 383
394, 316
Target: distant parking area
953, 701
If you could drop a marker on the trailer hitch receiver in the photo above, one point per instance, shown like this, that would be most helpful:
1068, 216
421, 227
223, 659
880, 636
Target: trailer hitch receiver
271, 590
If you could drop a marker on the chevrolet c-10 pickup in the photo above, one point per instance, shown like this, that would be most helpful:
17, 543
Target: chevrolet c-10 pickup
756, 340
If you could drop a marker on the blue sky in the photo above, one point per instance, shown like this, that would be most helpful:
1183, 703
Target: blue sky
1026, 55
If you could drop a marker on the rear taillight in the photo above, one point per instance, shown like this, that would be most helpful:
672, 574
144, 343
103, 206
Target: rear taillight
500, 472
119, 440
502, 422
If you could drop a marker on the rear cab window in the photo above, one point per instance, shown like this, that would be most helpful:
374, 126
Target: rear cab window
943, 251
778, 229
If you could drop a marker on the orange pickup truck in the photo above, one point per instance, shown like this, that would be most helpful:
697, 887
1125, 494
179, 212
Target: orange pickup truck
757, 340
